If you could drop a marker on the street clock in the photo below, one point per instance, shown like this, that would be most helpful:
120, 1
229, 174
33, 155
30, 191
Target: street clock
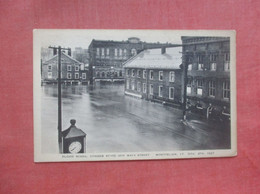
73, 139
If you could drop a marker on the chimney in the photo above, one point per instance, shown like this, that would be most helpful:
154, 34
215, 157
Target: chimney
163, 50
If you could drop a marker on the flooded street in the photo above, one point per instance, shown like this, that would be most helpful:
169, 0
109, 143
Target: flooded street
114, 122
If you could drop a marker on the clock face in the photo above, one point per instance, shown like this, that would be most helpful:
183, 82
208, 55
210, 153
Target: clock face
75, 147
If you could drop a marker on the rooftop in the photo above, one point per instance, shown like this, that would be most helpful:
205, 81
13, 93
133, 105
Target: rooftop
154, 59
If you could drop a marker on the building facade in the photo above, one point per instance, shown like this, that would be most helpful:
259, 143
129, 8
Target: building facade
72, 71
208, 73
155, 74
107, 57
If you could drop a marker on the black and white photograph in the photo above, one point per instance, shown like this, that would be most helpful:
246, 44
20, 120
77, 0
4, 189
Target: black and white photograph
134, 94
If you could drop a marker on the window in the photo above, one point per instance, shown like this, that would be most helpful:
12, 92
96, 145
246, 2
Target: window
226, 62
227, 57
200, 66
138, 73
108, 74
76, 68
133, 52
107, 51
172, 76
116, 52
125, 53
151, 74
49, 67
98, 74
160, 75
160, 91
103, 74
200, 58
188, 87
76, 75
84, 76
98, 51
127, 84
213, 57
120, 52
144, 87
120, 73
102, 51
226, 66
49, 75
213, 66
226, 90
151, 89
139, 86
171, 93
199, 87
68, 67
144, 74
133, 84
128, 72
69, 75
212, 88
189, 67
133, 72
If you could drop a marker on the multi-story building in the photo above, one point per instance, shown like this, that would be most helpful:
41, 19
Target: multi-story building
107, 57
81, 55
208, 73
72, 71
155, 74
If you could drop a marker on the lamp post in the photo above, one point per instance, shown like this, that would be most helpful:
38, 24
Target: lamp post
185, 80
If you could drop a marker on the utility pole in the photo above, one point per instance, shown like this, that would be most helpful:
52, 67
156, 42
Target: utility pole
59, 94
185, 70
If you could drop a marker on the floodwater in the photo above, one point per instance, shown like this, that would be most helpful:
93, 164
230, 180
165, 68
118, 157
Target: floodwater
114, 122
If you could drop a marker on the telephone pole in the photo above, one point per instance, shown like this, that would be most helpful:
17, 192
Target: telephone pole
59, 48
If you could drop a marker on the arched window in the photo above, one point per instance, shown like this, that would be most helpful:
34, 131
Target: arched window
97, 73
133, 52
120, 74
103, 74
115, 74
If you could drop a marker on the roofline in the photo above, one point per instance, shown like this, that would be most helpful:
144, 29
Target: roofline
64, 55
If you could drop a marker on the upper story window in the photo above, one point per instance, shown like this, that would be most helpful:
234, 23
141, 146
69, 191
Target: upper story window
133, 72
68, 67
213, 57
226, 90
116, 52
151, 74
76, 75
172, 76
227, 56
120, 52
199, 87
125, 54
189, 67
188, 90
84, 76
144, 74
69, 75
102, 52
160, 75
200, 66
107, 51
212, 88
49, 75
98, 51
76, 68
133, 52
128, 72
201, 58
138, 73
160, 91
213, 66
171, 93
49, 67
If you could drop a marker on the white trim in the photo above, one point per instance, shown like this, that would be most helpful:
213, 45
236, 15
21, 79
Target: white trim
160, 92
172, 98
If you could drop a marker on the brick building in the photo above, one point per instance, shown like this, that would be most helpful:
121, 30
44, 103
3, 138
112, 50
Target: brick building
72, 71
155, 74
208, 75
107, 57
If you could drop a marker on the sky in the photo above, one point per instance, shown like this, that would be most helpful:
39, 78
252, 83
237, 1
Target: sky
83, 38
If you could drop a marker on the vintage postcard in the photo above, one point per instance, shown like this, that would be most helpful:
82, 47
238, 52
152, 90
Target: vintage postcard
134, 94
